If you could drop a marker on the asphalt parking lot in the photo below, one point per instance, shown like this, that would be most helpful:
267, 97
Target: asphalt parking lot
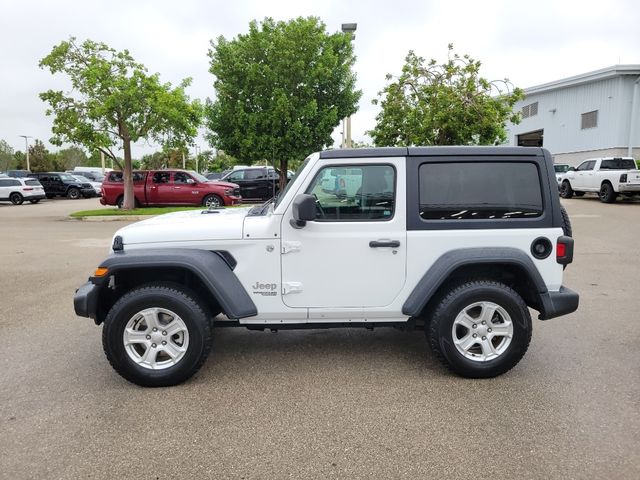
316, 404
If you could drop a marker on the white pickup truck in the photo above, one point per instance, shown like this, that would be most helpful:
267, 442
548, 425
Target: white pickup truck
607, 177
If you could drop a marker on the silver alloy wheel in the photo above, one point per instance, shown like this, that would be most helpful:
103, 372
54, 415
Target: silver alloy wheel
482, 331
156, 338
212, 201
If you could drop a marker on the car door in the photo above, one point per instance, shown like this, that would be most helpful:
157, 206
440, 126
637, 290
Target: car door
160, 188
185, 189
237, 177
583, 174
255, 183
353, 255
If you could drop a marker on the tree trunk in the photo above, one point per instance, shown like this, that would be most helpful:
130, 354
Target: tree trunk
284, 164
127, 177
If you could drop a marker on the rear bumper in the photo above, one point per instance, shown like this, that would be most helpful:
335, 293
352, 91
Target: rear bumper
629, 187
556, 304
35, 196
85, 301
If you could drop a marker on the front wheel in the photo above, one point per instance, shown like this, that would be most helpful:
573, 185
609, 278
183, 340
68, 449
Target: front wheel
565, 190
480, 329
74, 194
16, 198
607, 193
157, 335
212, 201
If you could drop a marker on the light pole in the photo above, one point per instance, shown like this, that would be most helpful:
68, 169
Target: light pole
348, 28
26, 149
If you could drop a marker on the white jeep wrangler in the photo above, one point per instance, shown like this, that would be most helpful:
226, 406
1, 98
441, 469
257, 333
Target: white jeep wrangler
459, 241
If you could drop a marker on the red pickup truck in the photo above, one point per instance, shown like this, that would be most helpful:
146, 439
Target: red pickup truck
170, 187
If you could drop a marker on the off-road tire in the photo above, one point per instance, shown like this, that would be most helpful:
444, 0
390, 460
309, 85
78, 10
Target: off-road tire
607, 194
566, 222
565, 190
440, 324
172, 297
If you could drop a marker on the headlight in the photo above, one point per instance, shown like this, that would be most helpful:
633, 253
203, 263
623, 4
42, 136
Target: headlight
228, 191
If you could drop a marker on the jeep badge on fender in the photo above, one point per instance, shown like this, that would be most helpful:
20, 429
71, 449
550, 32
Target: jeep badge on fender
458, 241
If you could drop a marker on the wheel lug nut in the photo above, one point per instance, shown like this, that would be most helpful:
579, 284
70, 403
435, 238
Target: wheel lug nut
155, 329
164, 343
164, 332
475, 335
489, 330
475, 326
484, 338
148, 337
484, 323
153, 345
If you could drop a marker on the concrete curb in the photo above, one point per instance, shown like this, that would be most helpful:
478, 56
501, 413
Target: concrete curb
112, 218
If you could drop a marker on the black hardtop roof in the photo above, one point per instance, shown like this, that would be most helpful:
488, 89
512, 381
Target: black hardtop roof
431, 151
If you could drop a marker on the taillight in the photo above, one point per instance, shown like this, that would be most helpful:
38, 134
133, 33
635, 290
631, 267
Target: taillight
623, 178
27, 189
564, 250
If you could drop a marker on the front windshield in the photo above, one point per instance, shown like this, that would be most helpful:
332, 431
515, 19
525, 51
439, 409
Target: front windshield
198, 177
282, 194
561, 168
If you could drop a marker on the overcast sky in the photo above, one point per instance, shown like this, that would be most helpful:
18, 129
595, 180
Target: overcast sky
528, 42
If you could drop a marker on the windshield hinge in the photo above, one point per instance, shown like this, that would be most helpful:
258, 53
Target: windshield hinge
291, 287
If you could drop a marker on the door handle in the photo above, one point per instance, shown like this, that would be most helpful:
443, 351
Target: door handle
176, 188
384, 243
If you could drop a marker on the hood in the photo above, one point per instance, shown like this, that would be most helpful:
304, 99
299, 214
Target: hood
223, 184
188, 226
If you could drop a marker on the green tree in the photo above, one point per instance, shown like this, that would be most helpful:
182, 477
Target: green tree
281, 89
444, 104
40, 158
7, 159
19, 160
68, 158
114, 102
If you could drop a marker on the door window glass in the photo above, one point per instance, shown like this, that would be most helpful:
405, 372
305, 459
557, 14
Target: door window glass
182, 177
235, 176
161, 177
353, 193
255, 174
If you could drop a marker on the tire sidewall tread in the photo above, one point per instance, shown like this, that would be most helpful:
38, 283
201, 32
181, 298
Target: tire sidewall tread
179, 300
466, 293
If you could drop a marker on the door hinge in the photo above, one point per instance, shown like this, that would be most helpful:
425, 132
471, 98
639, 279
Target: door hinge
288, 247
291, 287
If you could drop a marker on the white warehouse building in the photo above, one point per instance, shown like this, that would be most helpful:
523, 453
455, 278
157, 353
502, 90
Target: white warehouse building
596, 114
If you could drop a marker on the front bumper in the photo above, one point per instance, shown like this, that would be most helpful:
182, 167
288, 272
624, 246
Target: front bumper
556, 304
85, 300
234, 200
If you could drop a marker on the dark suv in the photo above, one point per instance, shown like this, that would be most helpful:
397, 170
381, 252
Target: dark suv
256, 183
63, 185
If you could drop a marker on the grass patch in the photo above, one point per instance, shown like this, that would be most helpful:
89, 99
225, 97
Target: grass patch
105, 212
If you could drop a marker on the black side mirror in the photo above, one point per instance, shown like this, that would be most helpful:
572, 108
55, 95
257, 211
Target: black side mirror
572, 169
304, 210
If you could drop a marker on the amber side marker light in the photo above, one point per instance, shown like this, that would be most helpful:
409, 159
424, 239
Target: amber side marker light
100, 272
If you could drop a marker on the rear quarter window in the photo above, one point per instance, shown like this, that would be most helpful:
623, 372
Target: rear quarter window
459, 191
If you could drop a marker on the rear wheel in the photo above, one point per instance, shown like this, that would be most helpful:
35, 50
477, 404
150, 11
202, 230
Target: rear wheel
480, 329
212, 201
73, 193
565, 190
16, 198
157, 335
607, 194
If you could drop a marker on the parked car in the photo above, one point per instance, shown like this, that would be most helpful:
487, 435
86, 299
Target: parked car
561, 169
61, 184
94, 173
97, 186
170, 187
17, 190
217, 175
458, 241
18, 173
608, 177
256, 183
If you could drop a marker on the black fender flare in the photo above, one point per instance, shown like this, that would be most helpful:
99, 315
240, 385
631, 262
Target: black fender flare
213, 269
450, 261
